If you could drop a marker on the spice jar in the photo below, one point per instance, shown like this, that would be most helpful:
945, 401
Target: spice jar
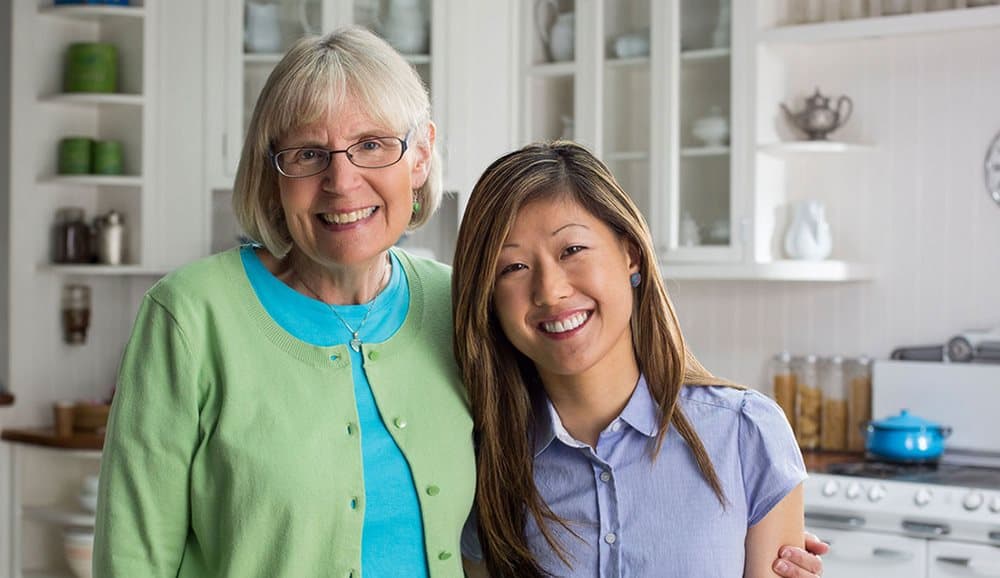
75, 313
808, 402
783, 381
833, 434
858, 375
110, 239
71, 242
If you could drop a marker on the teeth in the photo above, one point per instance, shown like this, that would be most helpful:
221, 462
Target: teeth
346, 218
565, 325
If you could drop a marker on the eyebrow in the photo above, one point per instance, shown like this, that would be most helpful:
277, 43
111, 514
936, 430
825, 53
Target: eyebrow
313, 141
554, 233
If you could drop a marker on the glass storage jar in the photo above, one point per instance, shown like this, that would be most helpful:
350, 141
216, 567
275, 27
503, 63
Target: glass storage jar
833, 434
858, 376
808, 403
783, 382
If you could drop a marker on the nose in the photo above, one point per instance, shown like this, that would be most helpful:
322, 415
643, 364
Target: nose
341, 175
549, 285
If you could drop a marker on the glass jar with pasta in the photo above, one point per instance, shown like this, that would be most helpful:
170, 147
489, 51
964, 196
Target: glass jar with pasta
808, 403
833, 429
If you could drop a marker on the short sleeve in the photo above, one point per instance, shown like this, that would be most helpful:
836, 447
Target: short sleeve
471, 548
771, 461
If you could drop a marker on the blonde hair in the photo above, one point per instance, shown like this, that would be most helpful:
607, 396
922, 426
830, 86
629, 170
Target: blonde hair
314, 78
503, 383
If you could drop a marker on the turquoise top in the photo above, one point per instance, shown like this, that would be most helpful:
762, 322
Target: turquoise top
392, 539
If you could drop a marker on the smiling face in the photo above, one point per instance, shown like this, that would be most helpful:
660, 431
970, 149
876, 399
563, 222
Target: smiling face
348, 215
562, 292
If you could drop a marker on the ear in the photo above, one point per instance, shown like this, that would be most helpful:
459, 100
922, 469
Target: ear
422, 153
633, 255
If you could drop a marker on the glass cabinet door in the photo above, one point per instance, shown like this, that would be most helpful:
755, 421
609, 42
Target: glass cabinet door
626, 125
701, 204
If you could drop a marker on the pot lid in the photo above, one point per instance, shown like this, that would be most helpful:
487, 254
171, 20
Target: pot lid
905, 421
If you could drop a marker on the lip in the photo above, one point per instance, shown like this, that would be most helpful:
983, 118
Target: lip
346, 226
562, 316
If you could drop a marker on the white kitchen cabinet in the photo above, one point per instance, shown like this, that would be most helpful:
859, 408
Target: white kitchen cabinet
953, 559
466, 48
859, 554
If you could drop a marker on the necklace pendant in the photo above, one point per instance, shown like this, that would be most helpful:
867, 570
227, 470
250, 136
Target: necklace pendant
356, 344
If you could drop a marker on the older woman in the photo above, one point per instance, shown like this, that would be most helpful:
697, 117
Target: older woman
292, 408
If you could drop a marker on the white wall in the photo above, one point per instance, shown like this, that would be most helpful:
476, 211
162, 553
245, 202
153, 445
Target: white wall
918, 209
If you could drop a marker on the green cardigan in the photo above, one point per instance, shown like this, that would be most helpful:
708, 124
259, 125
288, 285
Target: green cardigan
233, 448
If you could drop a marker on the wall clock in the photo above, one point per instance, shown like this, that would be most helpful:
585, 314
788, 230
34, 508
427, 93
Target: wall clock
991, 169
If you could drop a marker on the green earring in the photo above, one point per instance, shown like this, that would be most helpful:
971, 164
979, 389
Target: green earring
416, 206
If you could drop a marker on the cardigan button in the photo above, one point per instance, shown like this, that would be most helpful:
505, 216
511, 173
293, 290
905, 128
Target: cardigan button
444, 555
373, 355
400, 423
433, 490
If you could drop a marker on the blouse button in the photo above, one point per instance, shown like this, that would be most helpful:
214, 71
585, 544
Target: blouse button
610, 538
616, 426
605, 477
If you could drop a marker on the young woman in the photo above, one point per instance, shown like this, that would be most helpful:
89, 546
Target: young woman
604, 447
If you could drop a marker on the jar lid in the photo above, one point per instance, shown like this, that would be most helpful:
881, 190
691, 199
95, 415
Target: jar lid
905, 421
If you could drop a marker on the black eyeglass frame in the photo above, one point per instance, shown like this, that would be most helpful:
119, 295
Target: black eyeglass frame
404, 146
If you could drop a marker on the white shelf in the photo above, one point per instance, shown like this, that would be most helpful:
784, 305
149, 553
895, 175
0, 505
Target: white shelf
814, 147
94, 98
262, 58
800, 271
127, 181
93, 12
885, 26
417, 58
627, 62
713, 151
553, 69
102, 270
627, 156
707, 54
59, 516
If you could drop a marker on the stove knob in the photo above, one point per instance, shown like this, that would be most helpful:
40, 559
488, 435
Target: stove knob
972, 501
876, 493
995, 505
830, 488
922, 497
853, 491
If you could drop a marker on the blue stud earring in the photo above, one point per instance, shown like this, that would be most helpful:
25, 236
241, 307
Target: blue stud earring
635, 279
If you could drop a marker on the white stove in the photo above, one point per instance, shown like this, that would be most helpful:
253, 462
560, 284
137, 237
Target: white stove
919, 521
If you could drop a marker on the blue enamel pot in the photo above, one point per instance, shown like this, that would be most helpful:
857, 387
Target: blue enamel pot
906, 438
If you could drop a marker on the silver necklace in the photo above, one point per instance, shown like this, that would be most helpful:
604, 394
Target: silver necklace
355, 340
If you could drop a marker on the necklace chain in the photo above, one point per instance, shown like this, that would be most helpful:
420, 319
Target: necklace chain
355, 340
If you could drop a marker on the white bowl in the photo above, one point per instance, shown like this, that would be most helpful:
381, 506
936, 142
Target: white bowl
79, 549
713, 131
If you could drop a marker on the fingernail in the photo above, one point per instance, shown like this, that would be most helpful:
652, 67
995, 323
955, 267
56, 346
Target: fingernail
781, 566
786, 553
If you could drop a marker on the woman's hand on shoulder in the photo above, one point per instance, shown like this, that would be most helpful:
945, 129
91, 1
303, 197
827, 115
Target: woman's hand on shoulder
794, 562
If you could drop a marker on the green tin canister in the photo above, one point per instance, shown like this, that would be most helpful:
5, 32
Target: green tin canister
75, 155
91, 67
108, 157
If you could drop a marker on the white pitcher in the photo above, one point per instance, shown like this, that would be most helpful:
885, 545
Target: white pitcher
263, 31
808, 237
558, 38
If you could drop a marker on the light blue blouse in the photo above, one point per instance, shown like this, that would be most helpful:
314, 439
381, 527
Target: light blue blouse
642, 517
392, 541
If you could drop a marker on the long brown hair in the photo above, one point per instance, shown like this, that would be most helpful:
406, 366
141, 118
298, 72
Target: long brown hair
502, 381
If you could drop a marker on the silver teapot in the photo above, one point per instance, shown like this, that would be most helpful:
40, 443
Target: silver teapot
819, 118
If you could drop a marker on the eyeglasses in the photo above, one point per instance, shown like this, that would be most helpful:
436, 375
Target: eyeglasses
371, 153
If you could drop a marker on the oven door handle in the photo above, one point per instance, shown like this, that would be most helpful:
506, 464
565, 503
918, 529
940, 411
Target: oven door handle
926, 528
837, 520
892, 554
971, 567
